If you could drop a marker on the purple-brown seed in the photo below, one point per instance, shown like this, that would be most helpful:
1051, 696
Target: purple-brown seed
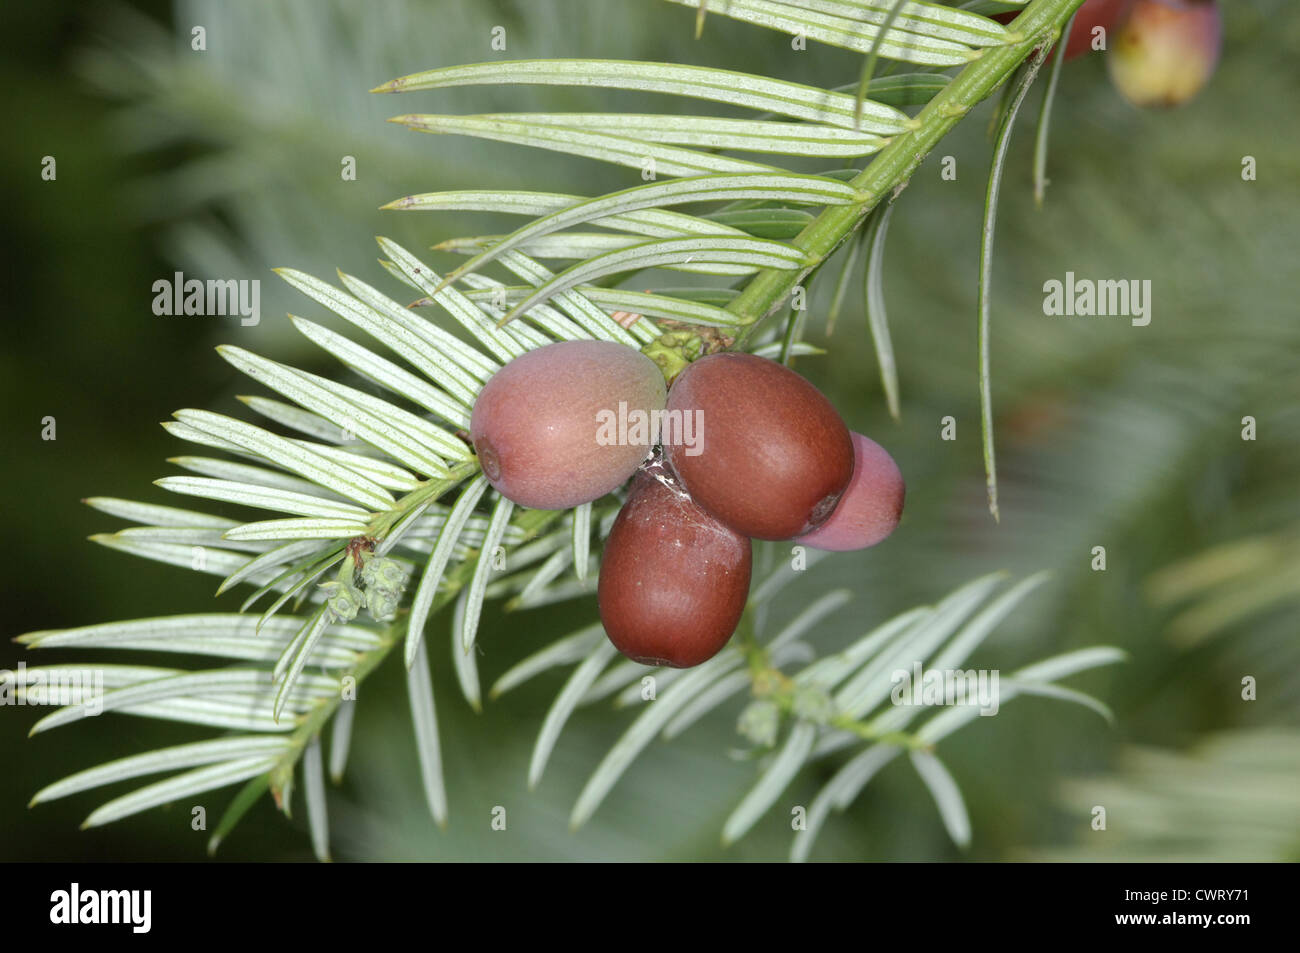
869, 509
540, 425
673, 580
773, 456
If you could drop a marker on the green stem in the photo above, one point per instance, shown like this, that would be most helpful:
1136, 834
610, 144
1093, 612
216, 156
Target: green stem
427, 492
894, 165
531, 522
770, 683
863, 730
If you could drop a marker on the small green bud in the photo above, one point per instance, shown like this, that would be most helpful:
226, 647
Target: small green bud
759, 722
813, 704
382, 603
344, 600
673, 351
379, 572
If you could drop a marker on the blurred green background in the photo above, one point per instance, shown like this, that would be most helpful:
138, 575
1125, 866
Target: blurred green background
226, 163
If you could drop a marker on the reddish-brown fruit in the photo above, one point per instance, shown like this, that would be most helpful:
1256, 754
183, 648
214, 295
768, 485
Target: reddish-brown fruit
673, 580
870, 508
1166, 51
541, 427
771, 457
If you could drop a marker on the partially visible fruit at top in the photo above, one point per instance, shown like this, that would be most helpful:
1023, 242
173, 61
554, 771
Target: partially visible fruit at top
773, 455
1105, 14
1161, 52
1166, 51
1093, 15
536, 423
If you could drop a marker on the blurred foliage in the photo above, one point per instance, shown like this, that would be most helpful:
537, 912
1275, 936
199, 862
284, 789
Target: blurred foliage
1230, 798
226, 163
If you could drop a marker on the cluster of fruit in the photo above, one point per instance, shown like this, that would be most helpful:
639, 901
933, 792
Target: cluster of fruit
1160, 52
769, 458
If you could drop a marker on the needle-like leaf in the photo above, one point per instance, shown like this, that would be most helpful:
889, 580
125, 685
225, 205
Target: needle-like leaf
313, 783
1044, 126
946, 794
758, 252
643, 731
877, 321
181, 786
487, 557
574, 689
581, 539
164, 759
927, 33
341, 739
419, 686
1001, 143
773, 781
620, 150
725, 86
437, 564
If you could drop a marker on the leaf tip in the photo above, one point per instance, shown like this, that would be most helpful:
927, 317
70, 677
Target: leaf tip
412, 647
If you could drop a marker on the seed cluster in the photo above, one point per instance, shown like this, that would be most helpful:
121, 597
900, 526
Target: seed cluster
771, 459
